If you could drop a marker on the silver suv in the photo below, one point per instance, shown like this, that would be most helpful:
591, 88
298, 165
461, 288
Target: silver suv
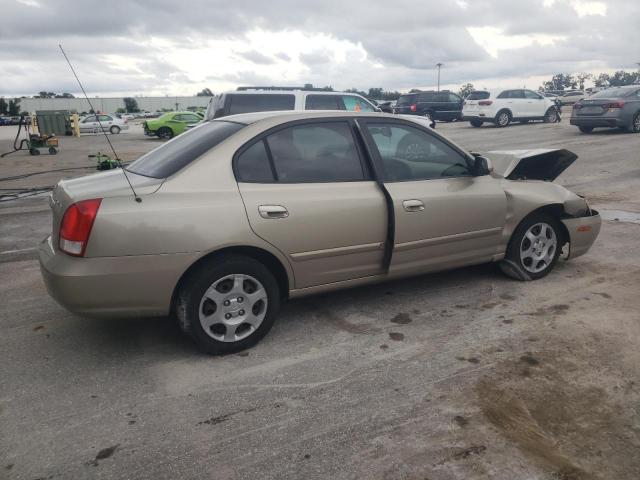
224, 222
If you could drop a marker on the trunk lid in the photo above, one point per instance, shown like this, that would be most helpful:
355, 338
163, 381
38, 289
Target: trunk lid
536, 164
594, 107
111, 183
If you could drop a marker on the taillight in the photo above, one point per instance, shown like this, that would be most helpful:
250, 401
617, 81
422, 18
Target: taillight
613, 105
413, 107
76, 226
485, 103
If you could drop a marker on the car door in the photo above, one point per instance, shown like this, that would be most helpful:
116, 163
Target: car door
89, 124
535, 104
106, 121
445, 216
517, 103
308, 192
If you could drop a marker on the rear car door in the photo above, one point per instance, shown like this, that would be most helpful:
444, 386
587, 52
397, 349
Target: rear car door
89, 124
308, 192
444, 215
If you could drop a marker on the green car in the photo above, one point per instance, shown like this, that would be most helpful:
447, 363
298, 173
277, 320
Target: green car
170, 124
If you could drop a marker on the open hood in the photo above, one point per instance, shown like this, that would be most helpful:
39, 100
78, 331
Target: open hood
537, 164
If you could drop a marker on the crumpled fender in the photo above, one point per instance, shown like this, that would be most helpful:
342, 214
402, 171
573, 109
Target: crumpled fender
537, 164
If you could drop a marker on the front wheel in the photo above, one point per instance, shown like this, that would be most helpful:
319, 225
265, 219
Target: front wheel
114, 129
534, 248
551, 116
476, 123
503, 119
585, 129
228, 304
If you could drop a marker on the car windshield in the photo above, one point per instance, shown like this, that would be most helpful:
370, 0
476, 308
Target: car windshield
406, 100
613, 93
173, 156
478, 95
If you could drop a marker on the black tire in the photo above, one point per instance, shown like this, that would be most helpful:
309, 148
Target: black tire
192, 292
551, 116
513, 264
635, 124
476, 123
34, 151
165, 133
52, 151
115, 129
585, 129
503, 118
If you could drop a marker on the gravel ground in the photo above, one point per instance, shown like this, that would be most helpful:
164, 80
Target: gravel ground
458, 375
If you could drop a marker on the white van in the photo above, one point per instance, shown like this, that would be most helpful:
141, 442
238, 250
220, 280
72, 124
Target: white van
262, 99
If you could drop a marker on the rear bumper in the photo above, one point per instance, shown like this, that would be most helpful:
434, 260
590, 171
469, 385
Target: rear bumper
583, 231
599, 121
140, 285
467, 117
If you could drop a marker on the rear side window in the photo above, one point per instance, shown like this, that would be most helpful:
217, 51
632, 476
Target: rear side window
324, 102
405, 100
318, 152
478, 95
247, 103
172, 156
356, 104
426, 97
253, 165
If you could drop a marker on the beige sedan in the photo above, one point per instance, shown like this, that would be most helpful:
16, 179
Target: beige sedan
242, 213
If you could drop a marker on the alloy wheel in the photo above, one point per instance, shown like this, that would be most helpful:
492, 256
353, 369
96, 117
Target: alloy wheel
503, 119
538, 247
233, 307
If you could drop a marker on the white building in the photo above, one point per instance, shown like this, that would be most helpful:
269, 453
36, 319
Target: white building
110, 105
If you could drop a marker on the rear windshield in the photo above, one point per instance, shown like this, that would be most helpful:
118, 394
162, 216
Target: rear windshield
247, 103
478, 95
173, 156
406, 100
613, 93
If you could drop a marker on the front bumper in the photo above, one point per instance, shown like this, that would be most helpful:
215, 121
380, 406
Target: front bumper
583, 231
138, 285
597, 121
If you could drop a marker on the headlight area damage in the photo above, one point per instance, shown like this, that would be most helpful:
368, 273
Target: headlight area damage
528, 185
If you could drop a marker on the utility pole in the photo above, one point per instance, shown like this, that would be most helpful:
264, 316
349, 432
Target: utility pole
439, 67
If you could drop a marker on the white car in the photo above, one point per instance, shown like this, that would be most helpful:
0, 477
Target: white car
501, 107
264, 99
110, 123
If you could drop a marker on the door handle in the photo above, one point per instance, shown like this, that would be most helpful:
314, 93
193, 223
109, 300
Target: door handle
273, 211
413, 205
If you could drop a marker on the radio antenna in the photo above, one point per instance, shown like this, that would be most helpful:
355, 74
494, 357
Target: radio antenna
124, 171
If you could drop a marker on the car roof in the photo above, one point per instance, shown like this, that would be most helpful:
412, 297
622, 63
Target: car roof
258, 91
290, 115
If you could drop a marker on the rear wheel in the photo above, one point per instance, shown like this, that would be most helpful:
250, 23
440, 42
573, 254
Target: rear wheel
503, 118
114, 129
585, 129
165, 133
534, 248
228, 304
635, 124
52, 151
476, 123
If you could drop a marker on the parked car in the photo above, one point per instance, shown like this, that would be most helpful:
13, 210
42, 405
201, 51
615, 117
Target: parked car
385, 106
263, 100
614, 107
443, 105
109, 123
572, 97
243, 212
170, 124
501, 107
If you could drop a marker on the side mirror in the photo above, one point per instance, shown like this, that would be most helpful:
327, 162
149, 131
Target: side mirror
482, 166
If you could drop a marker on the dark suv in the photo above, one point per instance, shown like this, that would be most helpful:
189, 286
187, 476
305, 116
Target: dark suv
443, 105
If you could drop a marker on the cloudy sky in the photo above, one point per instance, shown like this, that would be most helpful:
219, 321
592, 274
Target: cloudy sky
170, 47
